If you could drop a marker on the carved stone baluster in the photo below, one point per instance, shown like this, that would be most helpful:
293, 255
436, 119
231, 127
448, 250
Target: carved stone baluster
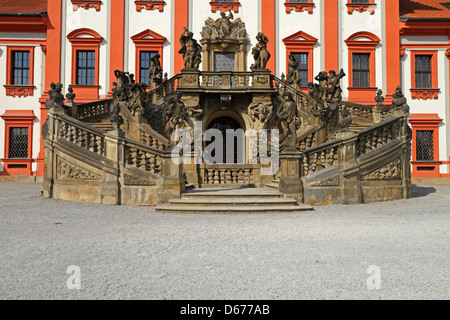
241, 176
216, 177
247, 176
305, 166
228, 176
91, 142
222, 176
99, 144
152, 162
210, 179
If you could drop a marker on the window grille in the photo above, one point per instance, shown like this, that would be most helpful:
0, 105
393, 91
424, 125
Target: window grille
144, 66
18, 143
424, 145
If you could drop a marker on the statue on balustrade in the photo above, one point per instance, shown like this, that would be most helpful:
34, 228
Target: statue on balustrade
155, 71
260, 53
345, 121
116, 119
56, 98
120, 90
174, 115
379, 98
293, 70
138, 94
287, 113
190, 49
335, 91
399, 100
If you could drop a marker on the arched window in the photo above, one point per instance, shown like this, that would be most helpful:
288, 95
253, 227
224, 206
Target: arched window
301, 45
85, 62
147, 44
361, 66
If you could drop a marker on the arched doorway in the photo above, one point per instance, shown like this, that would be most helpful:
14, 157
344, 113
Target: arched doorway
238, 151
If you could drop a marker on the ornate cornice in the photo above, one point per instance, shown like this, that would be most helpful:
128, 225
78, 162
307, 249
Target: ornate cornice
150, 5
299, 7
425, 94
225, 6
86, 4
17, 91
361, 7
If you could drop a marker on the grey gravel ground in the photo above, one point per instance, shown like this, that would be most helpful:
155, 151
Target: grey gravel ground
135, 253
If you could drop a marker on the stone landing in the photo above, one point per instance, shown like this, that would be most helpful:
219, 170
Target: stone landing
225, 201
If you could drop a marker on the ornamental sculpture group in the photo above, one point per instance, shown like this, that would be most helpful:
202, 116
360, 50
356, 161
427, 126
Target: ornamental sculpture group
325, 95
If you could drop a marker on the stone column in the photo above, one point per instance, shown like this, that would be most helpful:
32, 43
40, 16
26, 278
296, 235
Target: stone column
173, 180
290, 180
50, 169
348, 164
114, 151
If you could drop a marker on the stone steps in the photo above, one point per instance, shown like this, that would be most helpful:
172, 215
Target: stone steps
232, 201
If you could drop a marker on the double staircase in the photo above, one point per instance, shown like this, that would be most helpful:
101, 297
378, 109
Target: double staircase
232, 201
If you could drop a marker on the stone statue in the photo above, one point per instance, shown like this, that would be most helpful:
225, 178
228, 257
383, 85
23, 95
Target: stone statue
137, 95
399, 100
379, 98
334, 81
287, 115
293, 70
70, 95
116, 119
155, 71
345, 121
260, 114
56, 98
223, 25
175, 115
120, 90
322, 78
190, 49
224, 28
260, 53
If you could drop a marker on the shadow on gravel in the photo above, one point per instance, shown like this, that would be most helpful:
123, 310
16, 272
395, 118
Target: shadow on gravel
420, 192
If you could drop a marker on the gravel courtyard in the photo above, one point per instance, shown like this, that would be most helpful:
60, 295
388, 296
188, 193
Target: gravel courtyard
134, 253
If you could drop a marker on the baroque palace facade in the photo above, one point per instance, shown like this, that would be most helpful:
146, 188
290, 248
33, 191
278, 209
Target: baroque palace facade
378, 44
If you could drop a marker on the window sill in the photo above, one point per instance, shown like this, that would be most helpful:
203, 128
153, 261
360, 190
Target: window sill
361, 7
299, 7
18, 91
21, 167
86, 5
224, 6
150, 5
425, 94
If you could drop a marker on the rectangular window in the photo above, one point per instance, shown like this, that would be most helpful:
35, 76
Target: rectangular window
86, 67
361, 70
423, 71
20, 68
424, 145
18, 143
302, 58
360, 1
144, 65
